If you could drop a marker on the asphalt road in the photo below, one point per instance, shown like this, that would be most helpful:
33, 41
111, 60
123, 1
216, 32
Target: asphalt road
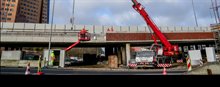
21, 71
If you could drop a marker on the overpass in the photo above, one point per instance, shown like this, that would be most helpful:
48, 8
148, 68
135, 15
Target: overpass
67, 34
122, 37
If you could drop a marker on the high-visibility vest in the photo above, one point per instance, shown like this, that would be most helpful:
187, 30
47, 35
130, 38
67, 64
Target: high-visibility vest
52, 54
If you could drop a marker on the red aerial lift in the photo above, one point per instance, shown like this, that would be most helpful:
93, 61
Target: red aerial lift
83, 35
168, 50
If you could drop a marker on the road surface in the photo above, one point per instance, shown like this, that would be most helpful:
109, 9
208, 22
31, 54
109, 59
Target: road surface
21, 71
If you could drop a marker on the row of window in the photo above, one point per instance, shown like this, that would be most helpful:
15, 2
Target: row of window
9, 14
27, 9
10, 0
12, 5
26, 5
194, 47
3, 18
7, 9
27, 13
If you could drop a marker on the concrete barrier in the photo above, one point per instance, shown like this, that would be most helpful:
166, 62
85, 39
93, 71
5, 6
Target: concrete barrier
23, 63
11, 55
215, 69
20, 63
9, 63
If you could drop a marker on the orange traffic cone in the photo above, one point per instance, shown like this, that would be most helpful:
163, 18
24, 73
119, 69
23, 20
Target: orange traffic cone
27, 72
164, 71
39, 72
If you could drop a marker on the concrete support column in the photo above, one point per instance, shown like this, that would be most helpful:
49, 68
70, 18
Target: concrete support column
119, 55
128, 53
123, 55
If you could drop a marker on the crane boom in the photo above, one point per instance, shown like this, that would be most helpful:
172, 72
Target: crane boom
168, 47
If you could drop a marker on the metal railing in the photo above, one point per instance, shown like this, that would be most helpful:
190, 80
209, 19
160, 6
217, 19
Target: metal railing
18, 27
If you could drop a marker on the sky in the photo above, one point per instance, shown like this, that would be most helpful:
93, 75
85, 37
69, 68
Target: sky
121, 13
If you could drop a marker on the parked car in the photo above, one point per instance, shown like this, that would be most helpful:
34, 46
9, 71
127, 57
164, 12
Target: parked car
69, 62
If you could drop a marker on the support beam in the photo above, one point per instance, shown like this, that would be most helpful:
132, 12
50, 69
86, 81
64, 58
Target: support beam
128, 53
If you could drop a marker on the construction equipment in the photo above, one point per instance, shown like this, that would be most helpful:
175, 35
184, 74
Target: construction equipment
83, 35
163, 54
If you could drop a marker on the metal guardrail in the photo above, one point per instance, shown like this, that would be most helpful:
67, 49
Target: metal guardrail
38, 33
96, 29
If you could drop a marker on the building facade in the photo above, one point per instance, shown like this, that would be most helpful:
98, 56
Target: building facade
25, 11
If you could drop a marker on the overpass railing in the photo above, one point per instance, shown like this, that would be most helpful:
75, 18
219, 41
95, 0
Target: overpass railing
68, 28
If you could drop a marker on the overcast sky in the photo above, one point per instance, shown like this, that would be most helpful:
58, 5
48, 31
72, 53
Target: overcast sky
121, 13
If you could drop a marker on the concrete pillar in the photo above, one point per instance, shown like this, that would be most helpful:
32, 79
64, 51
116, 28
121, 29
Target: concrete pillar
119, 55
62, 58
123, 55
128, 53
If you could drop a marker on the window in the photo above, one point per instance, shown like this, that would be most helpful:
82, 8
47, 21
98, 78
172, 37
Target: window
24, 4
3, 18
2, 9
199, 47
7, 4
9, 14
11, 9
3, 4
8, 0
192, 47
13, 0
30, 56
185, 48
12, 5
9, 19
6, 9
28, 9
203, 47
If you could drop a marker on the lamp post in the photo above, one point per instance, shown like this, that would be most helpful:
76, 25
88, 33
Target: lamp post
194, 13
73, 18
49, 47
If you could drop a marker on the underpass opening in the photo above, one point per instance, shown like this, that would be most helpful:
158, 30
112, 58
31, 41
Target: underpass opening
86, 57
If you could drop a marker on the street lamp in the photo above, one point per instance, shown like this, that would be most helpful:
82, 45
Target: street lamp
194, 13
73, 18
49, 47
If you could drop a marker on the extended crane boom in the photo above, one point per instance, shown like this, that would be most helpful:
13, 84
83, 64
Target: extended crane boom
169, 50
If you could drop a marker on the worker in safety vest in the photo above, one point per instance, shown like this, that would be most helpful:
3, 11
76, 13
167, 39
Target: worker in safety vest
83, 33
52, 56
